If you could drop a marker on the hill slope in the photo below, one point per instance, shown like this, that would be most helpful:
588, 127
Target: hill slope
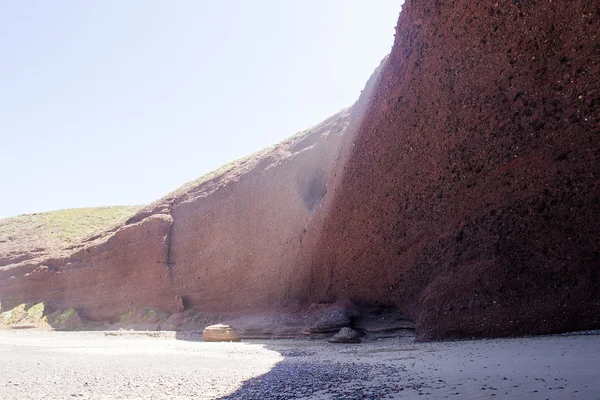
34, 235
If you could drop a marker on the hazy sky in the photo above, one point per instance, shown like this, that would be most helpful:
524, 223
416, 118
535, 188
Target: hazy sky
120, 102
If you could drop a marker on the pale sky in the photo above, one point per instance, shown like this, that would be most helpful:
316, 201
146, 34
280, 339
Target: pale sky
119, 102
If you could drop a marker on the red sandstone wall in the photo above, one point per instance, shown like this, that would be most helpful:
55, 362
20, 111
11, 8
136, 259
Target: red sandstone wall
238, 249
469, 196
233, 242
123, 271
237, 240
471, 199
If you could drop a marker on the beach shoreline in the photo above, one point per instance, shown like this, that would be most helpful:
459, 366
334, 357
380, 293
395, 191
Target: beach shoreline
125, 365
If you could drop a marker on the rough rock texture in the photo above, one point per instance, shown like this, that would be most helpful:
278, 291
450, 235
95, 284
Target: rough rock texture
345, 335
39, 316
471, 199
68, 320
331, 320
105, 278
236, 240
464, 192
220, 333
384, 323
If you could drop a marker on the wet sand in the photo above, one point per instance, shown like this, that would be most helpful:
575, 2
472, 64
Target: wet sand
93, 365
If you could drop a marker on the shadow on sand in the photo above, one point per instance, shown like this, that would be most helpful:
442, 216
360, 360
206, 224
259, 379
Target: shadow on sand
296, 377
317, 369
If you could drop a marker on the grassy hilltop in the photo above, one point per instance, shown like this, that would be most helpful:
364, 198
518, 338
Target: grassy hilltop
40, 233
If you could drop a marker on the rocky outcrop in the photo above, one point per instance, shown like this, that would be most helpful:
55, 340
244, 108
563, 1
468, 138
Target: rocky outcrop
345, 335
39, 316
103, 279
331, 320
462, 188
384, 323
236, 240
220, 333
471, 197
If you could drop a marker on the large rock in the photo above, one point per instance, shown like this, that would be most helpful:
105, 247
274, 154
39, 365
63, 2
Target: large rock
384, 323
104, 277
220, 333
331, 320
67, 320
472, 195
26, 316
199, 244
345, 335
13, 316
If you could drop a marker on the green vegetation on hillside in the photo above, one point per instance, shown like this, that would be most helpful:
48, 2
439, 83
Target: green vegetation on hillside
45, 232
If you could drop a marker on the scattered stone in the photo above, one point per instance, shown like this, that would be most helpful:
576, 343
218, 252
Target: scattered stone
220, 333
345, 335
296, 378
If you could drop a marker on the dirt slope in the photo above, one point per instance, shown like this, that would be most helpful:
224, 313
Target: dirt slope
472, 200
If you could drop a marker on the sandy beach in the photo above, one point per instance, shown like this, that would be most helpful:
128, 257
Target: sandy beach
94, 365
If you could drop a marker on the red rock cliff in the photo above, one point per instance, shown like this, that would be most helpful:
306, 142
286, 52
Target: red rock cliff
471, 199
236, 240
464, 192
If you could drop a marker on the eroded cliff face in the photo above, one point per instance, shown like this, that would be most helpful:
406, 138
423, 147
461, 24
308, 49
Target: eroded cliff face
462, 188
235, 241
103, 278
471, 199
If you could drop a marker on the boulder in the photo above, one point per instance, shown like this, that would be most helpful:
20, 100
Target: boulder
220, 333
25, 316
332, 320
38, 311
14, 316
66, 320
345, 335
